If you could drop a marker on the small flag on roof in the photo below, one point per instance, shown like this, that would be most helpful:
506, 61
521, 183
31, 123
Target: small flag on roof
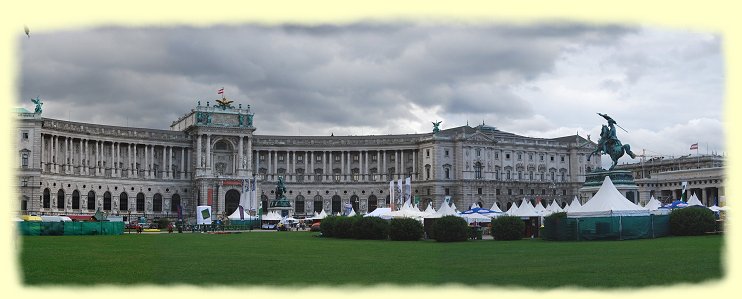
694, 146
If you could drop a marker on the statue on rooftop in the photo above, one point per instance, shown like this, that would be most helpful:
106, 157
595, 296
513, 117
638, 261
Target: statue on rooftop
609, 143
436, 129
38, 103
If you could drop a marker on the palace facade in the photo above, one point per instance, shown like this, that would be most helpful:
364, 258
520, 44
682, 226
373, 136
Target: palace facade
663, 177
77, 168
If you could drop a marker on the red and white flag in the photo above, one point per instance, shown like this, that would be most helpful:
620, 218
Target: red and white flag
221, 91
694, 146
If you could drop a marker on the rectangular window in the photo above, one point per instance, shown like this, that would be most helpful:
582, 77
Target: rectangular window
543, 191
507, 156
373, 158
510, 191
497, 191
497, 155
447, 191
337, 158
542, 157
532, 192
24, 135
479, 191
355, 158
300, 158
562, 158
427, 153
552, 158
530, 157
520, 156
262, 157
280, 158
479, 152
564, 191
318, 158
24, 160
446, 153
521, 191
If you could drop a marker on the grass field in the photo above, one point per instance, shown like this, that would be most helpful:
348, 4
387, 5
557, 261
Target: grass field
300, 259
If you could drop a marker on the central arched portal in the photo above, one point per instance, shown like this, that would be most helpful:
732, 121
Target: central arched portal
231, 201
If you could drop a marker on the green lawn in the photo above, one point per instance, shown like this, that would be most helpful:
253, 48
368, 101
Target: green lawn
300, 259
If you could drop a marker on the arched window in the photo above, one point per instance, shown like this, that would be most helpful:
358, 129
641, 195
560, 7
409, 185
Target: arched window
157, 203
299, 205
478, 170
336, 204
354, 202
107, 201
318, 203
140, 202
91, 200
174, 203
123, 201
60, 199
47, 199
231, 201
447, 173
373, 203
75, 200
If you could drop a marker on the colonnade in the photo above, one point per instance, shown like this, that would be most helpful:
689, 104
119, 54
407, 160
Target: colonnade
354, 165
112, 158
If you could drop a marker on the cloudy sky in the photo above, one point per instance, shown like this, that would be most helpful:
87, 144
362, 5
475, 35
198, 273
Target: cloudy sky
663, 85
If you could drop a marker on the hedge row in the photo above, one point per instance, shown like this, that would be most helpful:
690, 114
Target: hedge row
371, 228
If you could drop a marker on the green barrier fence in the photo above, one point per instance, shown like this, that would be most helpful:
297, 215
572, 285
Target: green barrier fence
606, 228
70, 228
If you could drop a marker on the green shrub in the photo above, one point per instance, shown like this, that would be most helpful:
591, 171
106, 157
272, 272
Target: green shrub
163, 222
507, 228
551, 228
405, 229
344, 227
327, 226
691, 221
450, 229
373, 228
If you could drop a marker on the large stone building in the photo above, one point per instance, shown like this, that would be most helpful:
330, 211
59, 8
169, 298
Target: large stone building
663, 177
73, 168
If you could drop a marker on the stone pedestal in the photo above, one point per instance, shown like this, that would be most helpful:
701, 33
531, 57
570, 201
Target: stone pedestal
282, 206
622, 179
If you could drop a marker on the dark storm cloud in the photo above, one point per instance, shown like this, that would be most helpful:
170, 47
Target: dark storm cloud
358, 74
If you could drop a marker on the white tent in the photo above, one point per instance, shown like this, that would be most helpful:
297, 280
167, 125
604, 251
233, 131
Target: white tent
444, 210
653, 204
475, 217
272, 216
429, 210
495, 207
573, 205
246, 215
716, 208
693, 201
554, 207
525, 210
541, 209
352, 212
512, 208
380, 212
608, 201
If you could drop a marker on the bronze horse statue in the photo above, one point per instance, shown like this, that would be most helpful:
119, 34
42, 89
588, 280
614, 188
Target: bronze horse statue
609, 143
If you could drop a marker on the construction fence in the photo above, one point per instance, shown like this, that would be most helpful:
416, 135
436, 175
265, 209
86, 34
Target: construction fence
606, 228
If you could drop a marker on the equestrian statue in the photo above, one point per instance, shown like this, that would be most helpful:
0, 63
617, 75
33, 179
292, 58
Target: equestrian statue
609, 143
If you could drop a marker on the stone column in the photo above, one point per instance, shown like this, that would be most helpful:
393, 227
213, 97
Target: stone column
396, 164
269, 165
208, 151
97, 150
331, 158
384, 172
113, 159
402, 168
365, 162
182, 162
199, 163
147, 158
310, 156
414, 164
240, 156
249, 154
136, 160
163, 171
257, 162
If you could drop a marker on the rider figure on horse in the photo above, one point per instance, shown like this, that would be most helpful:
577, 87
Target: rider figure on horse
609, 143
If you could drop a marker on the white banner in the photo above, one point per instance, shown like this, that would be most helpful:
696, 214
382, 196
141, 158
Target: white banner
408, 190
391, 194
203, 215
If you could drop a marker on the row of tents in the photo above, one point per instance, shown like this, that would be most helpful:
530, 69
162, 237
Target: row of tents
607, 201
